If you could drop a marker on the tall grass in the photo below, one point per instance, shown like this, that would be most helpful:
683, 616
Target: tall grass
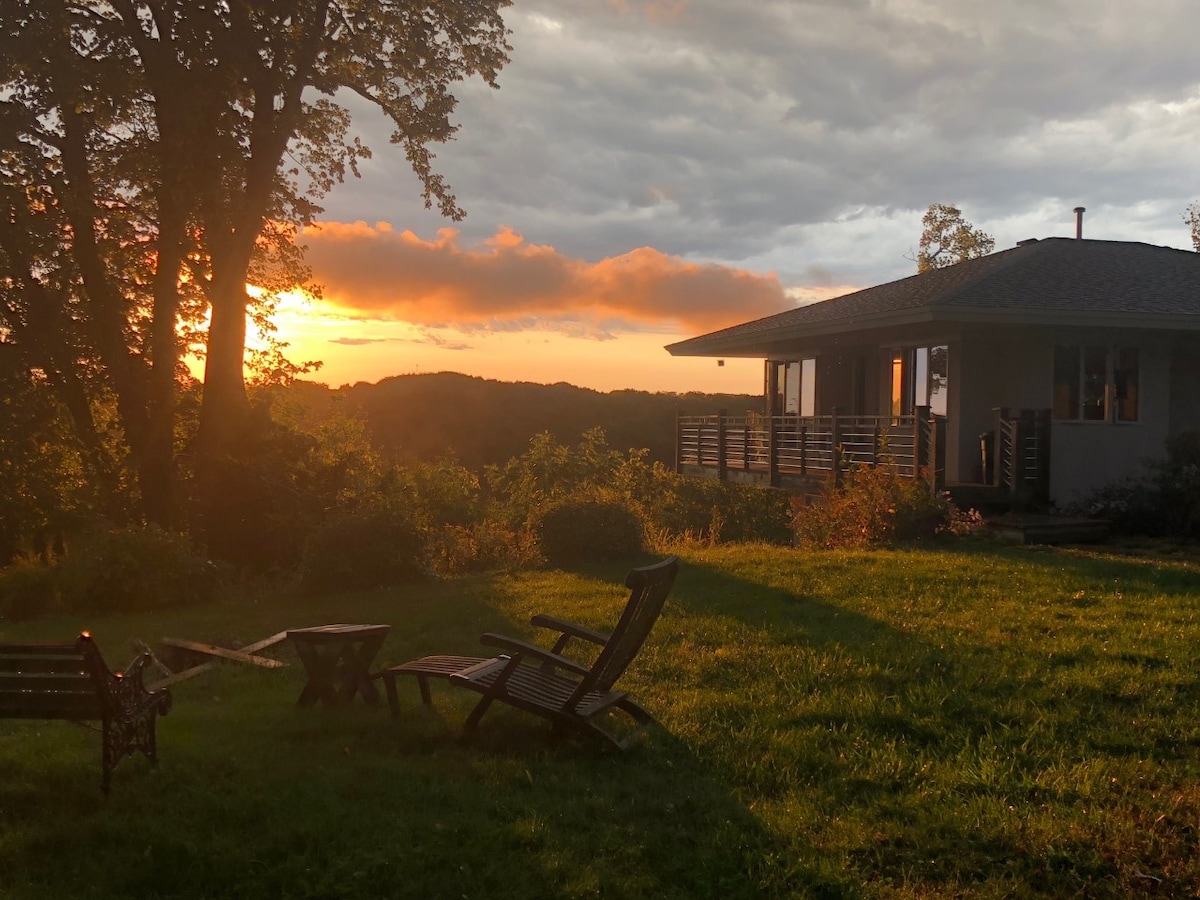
984, 722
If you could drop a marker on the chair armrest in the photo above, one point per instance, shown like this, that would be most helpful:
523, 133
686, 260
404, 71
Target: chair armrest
523, 649
569, 628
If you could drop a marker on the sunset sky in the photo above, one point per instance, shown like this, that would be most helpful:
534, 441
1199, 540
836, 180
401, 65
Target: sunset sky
655, 169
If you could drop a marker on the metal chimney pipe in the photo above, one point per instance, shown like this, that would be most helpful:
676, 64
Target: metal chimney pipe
1079, 211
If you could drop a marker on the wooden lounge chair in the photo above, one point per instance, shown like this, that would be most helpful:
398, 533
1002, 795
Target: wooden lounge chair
547, 683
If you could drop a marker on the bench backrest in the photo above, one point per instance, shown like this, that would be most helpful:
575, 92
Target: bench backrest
53, 680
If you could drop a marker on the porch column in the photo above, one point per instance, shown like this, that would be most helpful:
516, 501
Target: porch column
770, 403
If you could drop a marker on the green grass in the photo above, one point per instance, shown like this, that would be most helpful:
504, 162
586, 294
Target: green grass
983, 722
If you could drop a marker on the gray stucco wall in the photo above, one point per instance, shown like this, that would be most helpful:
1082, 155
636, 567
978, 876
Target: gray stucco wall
1015, 368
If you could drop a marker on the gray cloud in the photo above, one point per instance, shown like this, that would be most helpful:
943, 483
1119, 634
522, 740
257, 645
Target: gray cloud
806, 138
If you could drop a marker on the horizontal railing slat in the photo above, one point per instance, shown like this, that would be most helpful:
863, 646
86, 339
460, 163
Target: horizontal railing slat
801, 444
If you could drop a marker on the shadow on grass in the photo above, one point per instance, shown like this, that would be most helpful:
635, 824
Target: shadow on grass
809, 750
255, 797
936, 743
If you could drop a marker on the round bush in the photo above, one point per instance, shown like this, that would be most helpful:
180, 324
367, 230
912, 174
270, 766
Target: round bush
575, 531
361, 550
134, 569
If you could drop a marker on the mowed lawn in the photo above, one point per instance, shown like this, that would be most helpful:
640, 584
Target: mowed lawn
978, 721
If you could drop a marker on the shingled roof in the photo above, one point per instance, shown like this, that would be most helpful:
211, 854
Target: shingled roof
1055, 280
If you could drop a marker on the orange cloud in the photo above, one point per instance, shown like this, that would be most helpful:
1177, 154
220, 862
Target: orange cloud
377, 271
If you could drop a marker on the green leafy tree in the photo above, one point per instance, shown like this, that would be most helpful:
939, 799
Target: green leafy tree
947, 238
144, 182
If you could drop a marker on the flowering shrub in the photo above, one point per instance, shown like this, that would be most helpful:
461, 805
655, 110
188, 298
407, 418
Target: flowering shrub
876, 505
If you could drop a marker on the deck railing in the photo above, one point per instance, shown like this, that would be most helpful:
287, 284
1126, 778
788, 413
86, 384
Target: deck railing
1023, 454
800, 452
778, 448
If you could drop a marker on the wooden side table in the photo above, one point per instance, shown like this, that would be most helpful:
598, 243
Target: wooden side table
337, 660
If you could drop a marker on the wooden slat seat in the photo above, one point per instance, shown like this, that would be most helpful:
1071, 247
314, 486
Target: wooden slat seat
548, 683
70, 681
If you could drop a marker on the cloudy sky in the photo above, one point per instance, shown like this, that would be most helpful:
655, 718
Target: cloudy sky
655, 169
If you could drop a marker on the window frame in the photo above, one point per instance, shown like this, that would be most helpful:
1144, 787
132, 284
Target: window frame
913, 373
801, 376
1101, 377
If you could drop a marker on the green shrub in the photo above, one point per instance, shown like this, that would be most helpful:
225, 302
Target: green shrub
876, 505
1164, 502
682, 507
134, 569
483, 547
585, 529
28, 588
438, 493
361, 549
547, 473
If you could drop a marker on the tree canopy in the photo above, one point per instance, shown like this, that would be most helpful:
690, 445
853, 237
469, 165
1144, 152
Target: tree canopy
155, 157
1191, 217
947, 238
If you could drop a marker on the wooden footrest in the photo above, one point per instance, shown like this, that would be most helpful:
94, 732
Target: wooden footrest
423, 669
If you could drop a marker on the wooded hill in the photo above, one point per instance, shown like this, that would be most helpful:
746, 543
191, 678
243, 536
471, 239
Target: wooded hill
419, 418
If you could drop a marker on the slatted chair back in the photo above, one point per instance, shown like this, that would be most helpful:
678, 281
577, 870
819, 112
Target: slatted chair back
649, 588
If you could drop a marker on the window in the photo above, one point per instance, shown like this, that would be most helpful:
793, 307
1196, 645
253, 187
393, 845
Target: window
1095, 383
797, 387
920, 377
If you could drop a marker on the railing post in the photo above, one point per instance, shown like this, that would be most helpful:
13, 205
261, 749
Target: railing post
876, 436
1042, 430
835, 445
772, 452
1001, 419
721, 454
920, 417
1021, 475
936, 472
678, 443
803, 435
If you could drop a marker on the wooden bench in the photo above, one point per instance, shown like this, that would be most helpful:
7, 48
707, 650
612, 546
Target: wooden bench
70, 681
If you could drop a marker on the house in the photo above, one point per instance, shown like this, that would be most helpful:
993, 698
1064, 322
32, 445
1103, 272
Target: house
1053, 367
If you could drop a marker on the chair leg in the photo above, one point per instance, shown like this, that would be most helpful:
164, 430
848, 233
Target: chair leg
423, 684
393, 698
476, 714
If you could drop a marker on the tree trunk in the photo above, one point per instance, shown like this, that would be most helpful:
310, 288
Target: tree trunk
224, 422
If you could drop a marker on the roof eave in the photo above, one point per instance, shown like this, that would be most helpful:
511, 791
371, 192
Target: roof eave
748, 345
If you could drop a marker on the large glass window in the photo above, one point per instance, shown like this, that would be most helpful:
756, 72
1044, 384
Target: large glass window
901, 396
797, 387
808, 387
939, 379
920, 377
1096, 383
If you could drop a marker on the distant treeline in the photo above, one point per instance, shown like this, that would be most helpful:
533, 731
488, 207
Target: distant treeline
420, 418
